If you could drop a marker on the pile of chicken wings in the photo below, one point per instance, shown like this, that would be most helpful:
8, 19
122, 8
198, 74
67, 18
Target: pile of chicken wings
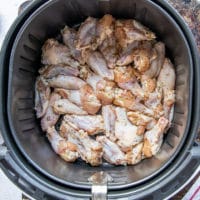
110, 87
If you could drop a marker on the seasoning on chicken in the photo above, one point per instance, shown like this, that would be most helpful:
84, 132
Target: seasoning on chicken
125, 99
64, 148
156, 63
148, 85
50, 118
89, 149
125, 131
85, 97
109, 50
66, 82
106, 40
55, 53
42, 95
154, 101
109, 117
84, 72
166, 79
50, 71
105, 91
141, 53
128, 31
140, 119
86, 36
64, 106
89, 100
109, 91
154, 137
69, 37
126, 55
134, 156
72, 95
111, 151
92, 124
126, 80
105, 28
98, 64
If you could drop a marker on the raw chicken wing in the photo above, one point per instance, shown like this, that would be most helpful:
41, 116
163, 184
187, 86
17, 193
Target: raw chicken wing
105, 91
109, 50
109, 117
64, 148
166, 79
111, 151
86, 36
125, 99
92, 124
42, 95
128, 31
54, 53
141, 53
134, 156
85, 97
105, 28
50, 118
89, 100
69, 36
98, 64
140, 119
50, 71
126, 80
72, 95
154, 102
154, 137
156, 63
89, 149
126, 132
64, 106
66, 82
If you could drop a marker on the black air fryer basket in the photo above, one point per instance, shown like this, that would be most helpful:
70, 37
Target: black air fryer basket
30, 161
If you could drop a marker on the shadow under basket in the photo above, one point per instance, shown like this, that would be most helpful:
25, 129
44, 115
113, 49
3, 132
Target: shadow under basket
46, 22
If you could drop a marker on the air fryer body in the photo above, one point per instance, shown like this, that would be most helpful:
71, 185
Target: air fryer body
31, 143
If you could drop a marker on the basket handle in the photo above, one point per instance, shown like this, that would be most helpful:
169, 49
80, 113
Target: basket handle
99, 182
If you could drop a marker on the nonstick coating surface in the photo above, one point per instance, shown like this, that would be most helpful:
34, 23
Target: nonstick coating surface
46, 22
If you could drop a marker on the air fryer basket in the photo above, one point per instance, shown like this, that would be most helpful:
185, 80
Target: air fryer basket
46, 21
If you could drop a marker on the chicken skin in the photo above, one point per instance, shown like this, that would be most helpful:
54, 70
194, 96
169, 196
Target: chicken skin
105, 91
89, 149
64, 148
92, 124
42, 95
128, 31
50, 118
55, 53
154, 137
111, 151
